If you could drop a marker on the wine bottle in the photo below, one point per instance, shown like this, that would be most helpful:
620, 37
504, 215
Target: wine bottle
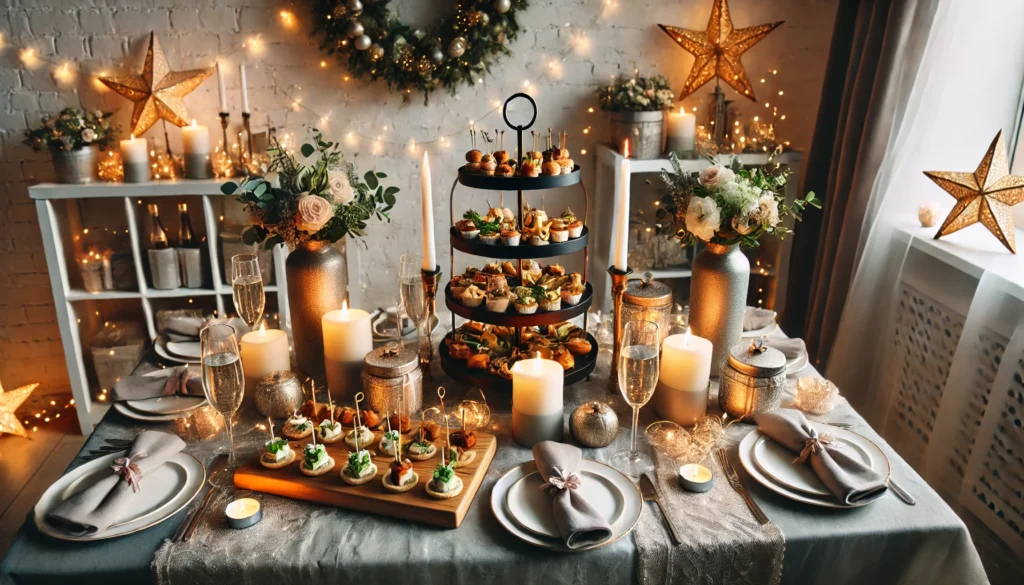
157, 233
186, 237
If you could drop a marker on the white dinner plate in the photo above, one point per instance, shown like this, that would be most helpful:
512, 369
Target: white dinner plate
160, 345
777, 462
189, 350
879, 462
797, 364
531, 508
165, 405
163, 492
135, 414
633, 504
766, 330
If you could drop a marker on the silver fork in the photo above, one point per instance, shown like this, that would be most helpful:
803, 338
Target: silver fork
734, 481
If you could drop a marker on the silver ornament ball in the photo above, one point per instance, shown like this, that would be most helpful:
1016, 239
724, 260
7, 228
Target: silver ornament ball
355, 29
485, 19
362, 42
502, 6
594, 425
457, 47
376, 52
279, 394
354, 5
437, 56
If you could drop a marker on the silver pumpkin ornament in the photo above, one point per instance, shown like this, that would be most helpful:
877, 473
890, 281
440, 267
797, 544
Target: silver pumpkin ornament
363, 42
594, 425
279, 394
502, 6
457, 47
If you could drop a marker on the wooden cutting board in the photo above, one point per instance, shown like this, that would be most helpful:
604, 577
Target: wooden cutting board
415, 505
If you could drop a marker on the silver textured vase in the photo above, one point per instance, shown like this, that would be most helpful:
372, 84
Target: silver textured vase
718, 298
644, 130
75, 167
317, 283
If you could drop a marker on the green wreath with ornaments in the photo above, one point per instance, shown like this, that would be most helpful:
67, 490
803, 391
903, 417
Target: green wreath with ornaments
374, 43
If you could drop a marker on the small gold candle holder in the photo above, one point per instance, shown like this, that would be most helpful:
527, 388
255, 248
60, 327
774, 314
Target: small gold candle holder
430, 293
619, 280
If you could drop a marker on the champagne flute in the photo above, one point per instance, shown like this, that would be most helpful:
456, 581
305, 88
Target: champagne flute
414, 301
223, 381
638, 377
247, 288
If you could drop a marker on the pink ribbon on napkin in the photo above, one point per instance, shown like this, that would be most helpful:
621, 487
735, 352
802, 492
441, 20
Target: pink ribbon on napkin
128, 469
560, 480
816, 444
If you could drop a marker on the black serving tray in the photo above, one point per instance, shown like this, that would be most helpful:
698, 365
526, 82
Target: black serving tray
512, 319
524, 251
460, 371
492, 183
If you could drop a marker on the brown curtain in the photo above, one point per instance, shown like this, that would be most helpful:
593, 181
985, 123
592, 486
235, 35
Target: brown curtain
862, 103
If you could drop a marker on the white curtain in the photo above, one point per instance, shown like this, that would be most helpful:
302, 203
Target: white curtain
930, 347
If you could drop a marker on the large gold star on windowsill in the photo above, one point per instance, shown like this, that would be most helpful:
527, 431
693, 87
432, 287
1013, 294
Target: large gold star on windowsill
9, 402
157, 92
717, 50
985, 196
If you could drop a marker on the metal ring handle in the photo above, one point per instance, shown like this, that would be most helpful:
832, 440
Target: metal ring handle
504, 111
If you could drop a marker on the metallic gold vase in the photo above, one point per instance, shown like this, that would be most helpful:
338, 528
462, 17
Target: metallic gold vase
317, 283
718, 298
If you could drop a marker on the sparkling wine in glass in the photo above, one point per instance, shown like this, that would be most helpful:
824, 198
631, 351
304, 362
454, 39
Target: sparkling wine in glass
247, 288
414, 301
223, 381
638, 378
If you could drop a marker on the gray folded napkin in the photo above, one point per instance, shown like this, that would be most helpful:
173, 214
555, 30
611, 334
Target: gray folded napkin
847, 478
183, 381
755, 318
100, 505
187, 327
791, 347
580, 524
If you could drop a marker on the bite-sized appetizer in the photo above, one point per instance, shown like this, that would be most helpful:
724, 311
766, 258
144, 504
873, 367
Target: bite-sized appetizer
497, 300
510, 237
554, 269
573, 292
315, 411
550, 168
328, 431
421, 449
504, 170
488, 165
431, 430
315, 460
459, 456
509, 269
297, 427
551, 300
277, 454
366, 437
580, 346
479, 361
497, 282
500, 157
359, 469
473, 296
463, 439
402, 424
401, 477
474, 156
525, 302
574, 224
559, 231
531, 271
389, 442
529, 168
490, 269
491, 238
346, 415
370, 418
566, 165
444, 484
467, 229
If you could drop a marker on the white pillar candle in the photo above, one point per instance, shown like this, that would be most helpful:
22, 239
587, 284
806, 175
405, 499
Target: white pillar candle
622, 216
347, 335
195, 139
264, 351
429, 258
245, 91
222, 89
134, 150
537, 401
682, 130
682, 394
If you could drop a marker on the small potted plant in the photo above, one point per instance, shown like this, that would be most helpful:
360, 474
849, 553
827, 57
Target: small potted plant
73, 137
637, 107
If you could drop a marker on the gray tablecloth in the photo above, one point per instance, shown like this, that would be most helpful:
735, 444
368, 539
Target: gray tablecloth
886, 542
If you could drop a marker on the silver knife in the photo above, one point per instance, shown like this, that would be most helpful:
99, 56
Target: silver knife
188, 525
650, 493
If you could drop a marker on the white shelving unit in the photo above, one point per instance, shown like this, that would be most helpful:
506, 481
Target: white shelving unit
607, 176
65, 297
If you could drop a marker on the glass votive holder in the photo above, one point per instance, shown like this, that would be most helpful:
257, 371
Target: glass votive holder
815, 395
704, 437
668, 439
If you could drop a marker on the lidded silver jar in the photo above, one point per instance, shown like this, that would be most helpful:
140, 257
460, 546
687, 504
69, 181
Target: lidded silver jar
385, 371
752, 380
648, 300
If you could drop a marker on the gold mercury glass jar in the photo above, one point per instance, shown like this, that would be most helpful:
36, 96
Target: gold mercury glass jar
385, 370
752, 380
647, 300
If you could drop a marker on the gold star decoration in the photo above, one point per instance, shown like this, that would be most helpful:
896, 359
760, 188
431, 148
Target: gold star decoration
717, 50
985, 196
158, 92
9, 401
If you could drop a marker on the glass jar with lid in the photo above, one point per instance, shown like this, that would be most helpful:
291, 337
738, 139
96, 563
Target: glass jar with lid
752, 380
648, 300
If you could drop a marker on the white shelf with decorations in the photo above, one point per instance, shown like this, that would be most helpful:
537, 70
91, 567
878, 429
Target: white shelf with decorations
607, 176
123, 209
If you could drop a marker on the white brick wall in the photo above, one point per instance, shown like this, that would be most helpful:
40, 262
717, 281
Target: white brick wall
110, 36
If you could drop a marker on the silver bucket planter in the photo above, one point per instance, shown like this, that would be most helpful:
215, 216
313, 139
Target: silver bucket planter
643, 130
75, 167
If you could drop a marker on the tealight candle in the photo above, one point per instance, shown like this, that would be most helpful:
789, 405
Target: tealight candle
196, 145
243, 513
695, 477
537, 403
683, 381
347, 340
135, 158
264, 351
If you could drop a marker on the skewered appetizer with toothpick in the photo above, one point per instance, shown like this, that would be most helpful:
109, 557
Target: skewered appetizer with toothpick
461, 443
360, 433
421, 449
359, 468
277, 453
444, 484
401, 477
297, 427
315, 460
474, 157
329, 430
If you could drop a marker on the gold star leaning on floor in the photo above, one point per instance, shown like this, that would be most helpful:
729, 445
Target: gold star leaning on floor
9, 402
985, 196
718, 49
157, 92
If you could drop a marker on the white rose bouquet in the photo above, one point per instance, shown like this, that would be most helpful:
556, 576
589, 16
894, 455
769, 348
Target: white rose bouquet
730, 204
323, 200
636, 94
72, 129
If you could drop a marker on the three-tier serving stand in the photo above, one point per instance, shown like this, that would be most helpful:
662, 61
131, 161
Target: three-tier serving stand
458, 369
